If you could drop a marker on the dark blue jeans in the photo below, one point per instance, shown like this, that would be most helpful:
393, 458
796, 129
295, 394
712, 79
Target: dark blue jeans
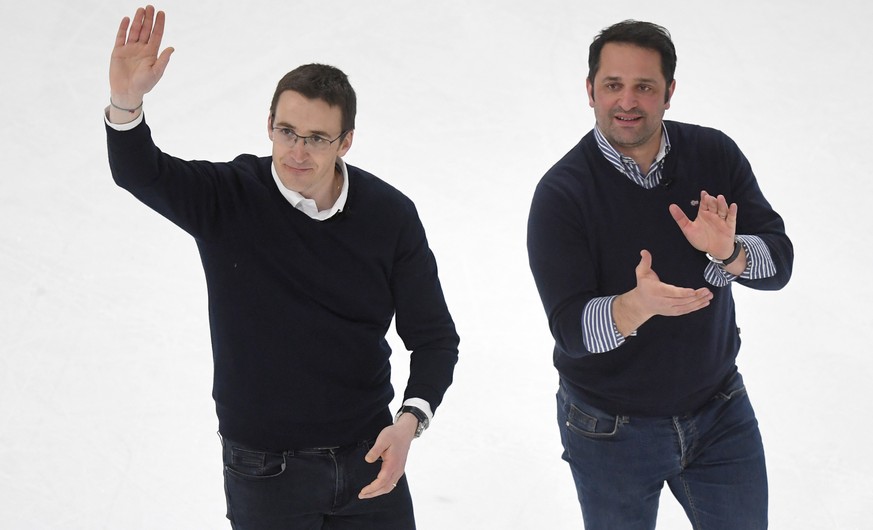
309, 489
712, 460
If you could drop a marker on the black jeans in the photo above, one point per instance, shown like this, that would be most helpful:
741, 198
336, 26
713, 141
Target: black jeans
309, 489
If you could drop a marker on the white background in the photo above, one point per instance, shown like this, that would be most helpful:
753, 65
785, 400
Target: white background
106, 419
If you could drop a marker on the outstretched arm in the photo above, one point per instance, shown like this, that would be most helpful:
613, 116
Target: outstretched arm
135, 67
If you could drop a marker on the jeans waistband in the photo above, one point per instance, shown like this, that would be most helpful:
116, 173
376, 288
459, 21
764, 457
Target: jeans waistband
329, 450
302, 451
317, 450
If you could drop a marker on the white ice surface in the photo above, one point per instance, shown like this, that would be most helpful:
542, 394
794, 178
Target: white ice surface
106, 419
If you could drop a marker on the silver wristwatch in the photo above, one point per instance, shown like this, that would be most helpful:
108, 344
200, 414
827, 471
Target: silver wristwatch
423, 420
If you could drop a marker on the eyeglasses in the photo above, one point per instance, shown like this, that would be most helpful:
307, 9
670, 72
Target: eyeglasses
312, 143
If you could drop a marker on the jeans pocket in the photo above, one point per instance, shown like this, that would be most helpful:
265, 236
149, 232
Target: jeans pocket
595, 424
733, 389
252, 464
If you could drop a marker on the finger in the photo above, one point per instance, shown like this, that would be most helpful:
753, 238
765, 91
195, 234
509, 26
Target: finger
677, 296
711, 203
122, 32
380, 486
732, 215
702, 206
163, 61
645, 264
136, 26
646, 257
695, 294
157, 33
385, 482
721, 207
376, 451
691, 307
376, 489
148, 22
701, 299
679, 216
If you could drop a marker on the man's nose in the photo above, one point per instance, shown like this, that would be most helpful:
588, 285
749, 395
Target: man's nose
627, 100
298, 150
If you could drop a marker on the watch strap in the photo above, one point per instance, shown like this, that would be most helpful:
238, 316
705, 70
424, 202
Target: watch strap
738, 244
423, 420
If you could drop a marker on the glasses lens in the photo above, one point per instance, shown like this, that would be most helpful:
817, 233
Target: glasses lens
285, 135
317, 143
312, 143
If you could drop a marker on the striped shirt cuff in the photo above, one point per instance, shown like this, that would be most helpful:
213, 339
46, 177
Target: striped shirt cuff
760, 264
599, 333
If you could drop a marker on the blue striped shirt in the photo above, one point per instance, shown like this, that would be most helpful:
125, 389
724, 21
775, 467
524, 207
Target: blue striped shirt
599, 332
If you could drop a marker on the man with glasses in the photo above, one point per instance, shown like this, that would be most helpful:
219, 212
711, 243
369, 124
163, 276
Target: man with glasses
307, 260
649, 389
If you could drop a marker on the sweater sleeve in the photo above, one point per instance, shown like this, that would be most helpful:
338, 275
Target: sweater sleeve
564, 269
422, 317
190, 194
771, 251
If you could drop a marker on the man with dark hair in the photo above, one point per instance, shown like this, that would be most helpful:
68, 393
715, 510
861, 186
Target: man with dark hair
307, 260
649, 389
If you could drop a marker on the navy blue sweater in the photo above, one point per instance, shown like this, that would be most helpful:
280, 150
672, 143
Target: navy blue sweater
587, 225
299, 309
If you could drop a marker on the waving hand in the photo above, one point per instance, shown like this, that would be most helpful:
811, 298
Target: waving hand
135, 67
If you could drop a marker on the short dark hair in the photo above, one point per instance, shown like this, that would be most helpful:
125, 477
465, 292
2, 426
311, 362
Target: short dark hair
642, 34
324, 82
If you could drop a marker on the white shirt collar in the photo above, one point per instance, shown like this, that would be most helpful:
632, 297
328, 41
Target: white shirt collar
308, 206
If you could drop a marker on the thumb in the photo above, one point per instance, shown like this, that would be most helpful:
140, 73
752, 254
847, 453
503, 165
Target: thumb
162, 62
645, 264
376, 451
679, 216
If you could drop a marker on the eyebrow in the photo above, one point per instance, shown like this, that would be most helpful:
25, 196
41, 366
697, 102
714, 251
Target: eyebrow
637, 80
286, 125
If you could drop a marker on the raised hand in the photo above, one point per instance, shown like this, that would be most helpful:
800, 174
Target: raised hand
714, 228
135, 67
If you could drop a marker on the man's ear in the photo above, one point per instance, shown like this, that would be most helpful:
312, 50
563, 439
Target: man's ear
270, 126
590, 88
346, 143
669, 95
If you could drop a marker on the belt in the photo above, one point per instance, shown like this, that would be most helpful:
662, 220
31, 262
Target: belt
327, 450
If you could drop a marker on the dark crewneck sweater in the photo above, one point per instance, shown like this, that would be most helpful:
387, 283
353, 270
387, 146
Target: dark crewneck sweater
587, 225
299, 309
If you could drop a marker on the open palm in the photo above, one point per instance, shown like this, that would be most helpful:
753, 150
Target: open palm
714, 228
136, 67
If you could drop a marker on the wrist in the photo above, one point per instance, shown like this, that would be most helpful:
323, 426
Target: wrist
125, 105
738, 246
408, 424
625, 315
413, 416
